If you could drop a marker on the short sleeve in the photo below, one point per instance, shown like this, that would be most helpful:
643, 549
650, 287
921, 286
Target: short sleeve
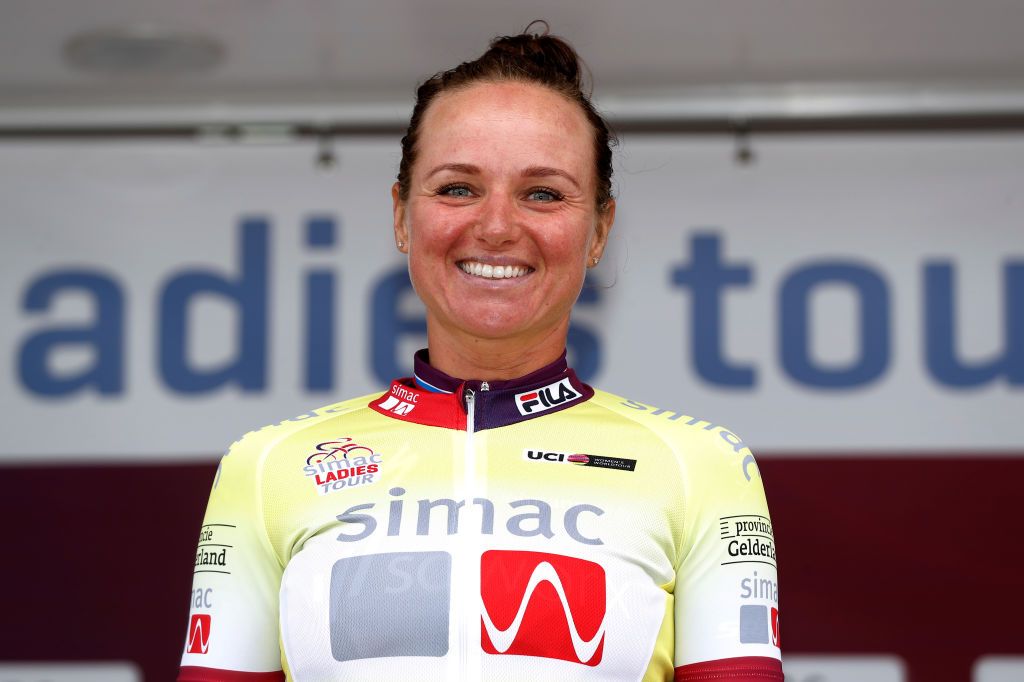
726, 590
233, 619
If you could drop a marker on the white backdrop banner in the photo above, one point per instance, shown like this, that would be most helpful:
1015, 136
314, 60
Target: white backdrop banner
848, 294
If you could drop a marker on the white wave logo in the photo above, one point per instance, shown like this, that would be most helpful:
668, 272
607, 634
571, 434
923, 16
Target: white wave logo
199, 636
503, 639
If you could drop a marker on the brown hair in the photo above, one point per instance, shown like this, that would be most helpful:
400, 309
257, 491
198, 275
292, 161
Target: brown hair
543, 59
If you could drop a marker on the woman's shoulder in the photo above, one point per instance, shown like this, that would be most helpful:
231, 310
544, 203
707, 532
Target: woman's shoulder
678, 425
258, 442
703, 447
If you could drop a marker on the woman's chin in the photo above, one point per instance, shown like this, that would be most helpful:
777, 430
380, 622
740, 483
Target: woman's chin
493, 325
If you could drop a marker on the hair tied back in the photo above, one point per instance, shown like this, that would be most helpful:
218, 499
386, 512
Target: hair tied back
542, 22
530, 57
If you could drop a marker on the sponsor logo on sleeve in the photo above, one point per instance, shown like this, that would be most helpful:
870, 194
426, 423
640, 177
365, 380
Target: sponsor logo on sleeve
764, 589
546, 398
342, 463
544, 605
199, 634
202, 598
747, 539
759, 625
754, 625
213, 553
579, 459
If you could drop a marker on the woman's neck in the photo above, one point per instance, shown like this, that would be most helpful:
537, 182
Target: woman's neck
469, 357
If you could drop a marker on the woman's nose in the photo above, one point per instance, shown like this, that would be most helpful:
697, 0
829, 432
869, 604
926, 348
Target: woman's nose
498, 222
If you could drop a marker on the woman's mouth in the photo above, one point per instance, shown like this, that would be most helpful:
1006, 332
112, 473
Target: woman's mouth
487, 271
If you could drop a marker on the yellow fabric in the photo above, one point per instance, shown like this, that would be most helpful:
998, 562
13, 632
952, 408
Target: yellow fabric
675, 538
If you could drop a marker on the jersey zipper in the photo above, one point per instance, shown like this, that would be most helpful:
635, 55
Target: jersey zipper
469, 550
468, 671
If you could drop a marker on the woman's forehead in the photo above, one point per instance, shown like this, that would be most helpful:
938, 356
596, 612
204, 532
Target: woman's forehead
507, 123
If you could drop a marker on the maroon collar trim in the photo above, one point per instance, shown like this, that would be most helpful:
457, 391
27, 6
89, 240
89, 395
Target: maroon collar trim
550, 389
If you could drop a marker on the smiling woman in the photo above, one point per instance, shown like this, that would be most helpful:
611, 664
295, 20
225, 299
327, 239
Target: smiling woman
500, 221
491, 517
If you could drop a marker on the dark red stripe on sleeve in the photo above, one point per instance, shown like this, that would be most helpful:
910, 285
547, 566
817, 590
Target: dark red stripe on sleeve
743, 669
194, 673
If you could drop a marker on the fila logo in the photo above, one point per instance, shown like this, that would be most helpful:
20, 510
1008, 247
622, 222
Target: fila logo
396, 406
544, 605
546, 398
199, 634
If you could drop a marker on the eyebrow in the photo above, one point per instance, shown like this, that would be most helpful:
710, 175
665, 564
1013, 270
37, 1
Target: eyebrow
467, 168
547, 171
531, 172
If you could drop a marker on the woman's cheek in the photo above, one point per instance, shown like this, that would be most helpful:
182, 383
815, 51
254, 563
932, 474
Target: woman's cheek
438, 225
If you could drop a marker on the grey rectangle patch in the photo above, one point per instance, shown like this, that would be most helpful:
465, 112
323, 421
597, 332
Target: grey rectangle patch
754, 625
392, 604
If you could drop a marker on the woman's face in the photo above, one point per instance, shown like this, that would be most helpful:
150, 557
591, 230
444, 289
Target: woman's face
500, 222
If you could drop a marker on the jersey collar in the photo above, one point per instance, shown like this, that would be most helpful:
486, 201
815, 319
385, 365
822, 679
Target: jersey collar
434, 398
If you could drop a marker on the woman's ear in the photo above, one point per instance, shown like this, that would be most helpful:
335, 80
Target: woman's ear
605, 219
398, 212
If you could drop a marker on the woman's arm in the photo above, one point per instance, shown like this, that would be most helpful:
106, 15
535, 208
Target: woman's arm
233, 620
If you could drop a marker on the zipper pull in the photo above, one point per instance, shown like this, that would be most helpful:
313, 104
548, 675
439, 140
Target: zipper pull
468, 395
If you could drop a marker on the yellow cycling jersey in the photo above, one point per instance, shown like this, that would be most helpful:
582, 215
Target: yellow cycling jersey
448, 530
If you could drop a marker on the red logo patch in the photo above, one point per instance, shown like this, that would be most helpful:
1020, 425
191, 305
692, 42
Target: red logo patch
545, 605
199, 634
775, 628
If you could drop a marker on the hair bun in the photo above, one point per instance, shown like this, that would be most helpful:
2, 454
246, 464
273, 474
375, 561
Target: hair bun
547, 54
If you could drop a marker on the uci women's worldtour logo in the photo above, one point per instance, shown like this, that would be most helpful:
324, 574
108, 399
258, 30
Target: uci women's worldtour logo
545, 605
579, 459
546, 398
342, 463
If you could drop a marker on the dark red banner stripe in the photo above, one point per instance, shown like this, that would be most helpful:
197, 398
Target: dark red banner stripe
917, 557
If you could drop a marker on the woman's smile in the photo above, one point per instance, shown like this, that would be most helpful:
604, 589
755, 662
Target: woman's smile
477, 268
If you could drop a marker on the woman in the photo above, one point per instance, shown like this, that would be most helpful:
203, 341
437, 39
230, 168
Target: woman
492, 517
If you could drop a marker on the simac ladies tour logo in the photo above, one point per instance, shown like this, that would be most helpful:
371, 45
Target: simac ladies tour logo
342, 463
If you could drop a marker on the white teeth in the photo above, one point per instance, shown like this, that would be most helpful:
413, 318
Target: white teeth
492, 271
